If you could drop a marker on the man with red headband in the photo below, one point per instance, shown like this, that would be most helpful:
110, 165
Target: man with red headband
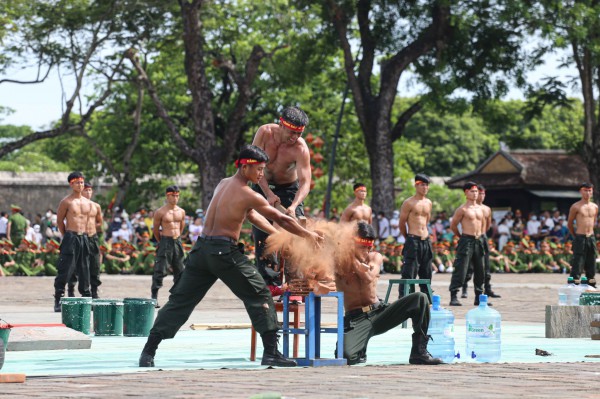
72, 215
169, 222
414, 219
216, 255
487, 213
469, 251
286, 181
358, 210
584, 214
366, 316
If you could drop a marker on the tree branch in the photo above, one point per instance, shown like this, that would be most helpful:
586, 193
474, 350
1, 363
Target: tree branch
398, 128
180, 142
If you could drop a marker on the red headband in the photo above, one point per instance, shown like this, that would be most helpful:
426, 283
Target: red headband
291, 126
173, 193
470, 188
245, 161
75, 179
420, 182
360, 188
365, 242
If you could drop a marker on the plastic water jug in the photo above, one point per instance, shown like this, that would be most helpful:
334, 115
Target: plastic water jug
441, 329
573, 293
564, 291
484, 332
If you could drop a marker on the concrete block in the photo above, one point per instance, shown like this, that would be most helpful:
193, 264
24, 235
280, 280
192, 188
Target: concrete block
569, 321
47, 338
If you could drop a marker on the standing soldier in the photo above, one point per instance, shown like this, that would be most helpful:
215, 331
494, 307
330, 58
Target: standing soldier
169, 221
72, 215
93, 228
469, 251
418, 252
585, 213
17, 225
358, 210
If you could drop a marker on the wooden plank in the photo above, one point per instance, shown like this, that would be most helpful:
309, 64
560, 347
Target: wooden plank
595, 324
11, 377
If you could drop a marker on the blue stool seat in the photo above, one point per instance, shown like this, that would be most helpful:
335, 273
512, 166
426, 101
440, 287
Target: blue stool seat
312, 330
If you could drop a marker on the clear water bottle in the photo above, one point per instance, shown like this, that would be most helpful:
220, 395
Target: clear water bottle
441, 329
583, 285
563, 292
573, 293
483, 332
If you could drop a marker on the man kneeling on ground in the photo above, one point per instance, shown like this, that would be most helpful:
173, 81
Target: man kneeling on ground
366, 316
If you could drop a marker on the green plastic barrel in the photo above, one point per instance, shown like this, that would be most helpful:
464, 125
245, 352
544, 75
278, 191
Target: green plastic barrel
76, 313
4, 333
108, 316
138, 316
590, 298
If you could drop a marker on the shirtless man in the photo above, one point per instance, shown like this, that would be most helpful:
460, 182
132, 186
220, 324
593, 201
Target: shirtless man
582, 220
93, 227
469, 251
216, 255
358, 210
169, 222
286, 181
418, 252
366, 316
72, 215
487, 212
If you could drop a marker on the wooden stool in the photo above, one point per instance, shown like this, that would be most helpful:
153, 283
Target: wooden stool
410, 286
293, 308
312, 330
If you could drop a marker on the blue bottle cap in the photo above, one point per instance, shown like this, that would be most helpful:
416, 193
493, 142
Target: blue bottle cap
436, 301
483, 298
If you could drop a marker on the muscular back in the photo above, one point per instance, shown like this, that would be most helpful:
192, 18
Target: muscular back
283, 157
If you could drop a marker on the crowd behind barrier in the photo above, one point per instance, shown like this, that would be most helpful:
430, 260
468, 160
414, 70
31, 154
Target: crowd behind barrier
540, 243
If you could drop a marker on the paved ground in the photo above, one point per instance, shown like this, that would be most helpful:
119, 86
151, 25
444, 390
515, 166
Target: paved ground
28, 300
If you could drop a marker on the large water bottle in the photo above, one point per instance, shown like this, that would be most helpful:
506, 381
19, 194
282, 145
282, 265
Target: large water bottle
563, 292
573, 293
441, 329
583, 285
483, 332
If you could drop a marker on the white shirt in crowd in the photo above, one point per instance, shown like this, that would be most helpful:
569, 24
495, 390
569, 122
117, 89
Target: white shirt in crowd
384, 227
533, 226
3, 224
195, 231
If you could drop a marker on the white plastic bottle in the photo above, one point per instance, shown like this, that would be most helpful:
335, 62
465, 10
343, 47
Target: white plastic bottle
572, 293
563, 292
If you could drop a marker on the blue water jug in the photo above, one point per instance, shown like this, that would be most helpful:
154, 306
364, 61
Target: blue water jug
441, 329
483, 332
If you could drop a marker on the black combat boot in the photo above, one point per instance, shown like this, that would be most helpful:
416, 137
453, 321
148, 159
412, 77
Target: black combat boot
490, 293
272, 356
419, 353
95, 293
453, 299
464, 291
57, 296
71, 291
154, 295
147, 356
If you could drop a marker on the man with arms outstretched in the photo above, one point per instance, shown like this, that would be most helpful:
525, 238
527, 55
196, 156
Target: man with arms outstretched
216, 255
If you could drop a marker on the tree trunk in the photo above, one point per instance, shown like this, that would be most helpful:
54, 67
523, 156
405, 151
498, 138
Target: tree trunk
381, 160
